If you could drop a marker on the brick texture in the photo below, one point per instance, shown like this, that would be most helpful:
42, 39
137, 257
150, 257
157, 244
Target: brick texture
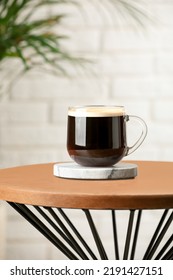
132, 67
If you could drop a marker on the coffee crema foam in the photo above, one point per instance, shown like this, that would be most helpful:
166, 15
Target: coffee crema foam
96, 111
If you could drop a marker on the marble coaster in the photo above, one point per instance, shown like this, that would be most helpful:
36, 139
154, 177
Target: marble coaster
71, 170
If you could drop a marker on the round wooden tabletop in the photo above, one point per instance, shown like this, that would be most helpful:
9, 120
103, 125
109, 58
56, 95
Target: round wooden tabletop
36, 185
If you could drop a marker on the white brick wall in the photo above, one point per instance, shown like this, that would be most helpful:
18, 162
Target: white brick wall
132, 67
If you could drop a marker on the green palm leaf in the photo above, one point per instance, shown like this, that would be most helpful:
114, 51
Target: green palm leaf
27, 39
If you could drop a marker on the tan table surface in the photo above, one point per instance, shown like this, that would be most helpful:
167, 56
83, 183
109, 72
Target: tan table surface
36, 185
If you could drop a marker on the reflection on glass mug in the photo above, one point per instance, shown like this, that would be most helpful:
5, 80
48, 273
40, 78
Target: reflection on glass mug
96, 135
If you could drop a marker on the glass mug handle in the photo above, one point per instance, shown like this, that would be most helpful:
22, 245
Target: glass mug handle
140, 140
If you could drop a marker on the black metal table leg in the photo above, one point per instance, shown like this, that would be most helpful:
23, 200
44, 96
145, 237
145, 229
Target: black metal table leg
158, 235
96, 236
31, 218
114, 224
60, 230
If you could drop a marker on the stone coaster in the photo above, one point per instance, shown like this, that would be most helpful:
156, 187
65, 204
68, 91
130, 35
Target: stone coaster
71, 170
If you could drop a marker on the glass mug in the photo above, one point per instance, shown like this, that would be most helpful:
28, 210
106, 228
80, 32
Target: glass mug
96, 135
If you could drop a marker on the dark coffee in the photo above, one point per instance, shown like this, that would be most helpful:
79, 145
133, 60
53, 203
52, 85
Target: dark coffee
96, 140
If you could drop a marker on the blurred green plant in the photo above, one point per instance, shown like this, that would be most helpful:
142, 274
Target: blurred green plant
31, 40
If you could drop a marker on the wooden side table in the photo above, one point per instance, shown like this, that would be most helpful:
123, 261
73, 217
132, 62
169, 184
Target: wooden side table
41, 198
